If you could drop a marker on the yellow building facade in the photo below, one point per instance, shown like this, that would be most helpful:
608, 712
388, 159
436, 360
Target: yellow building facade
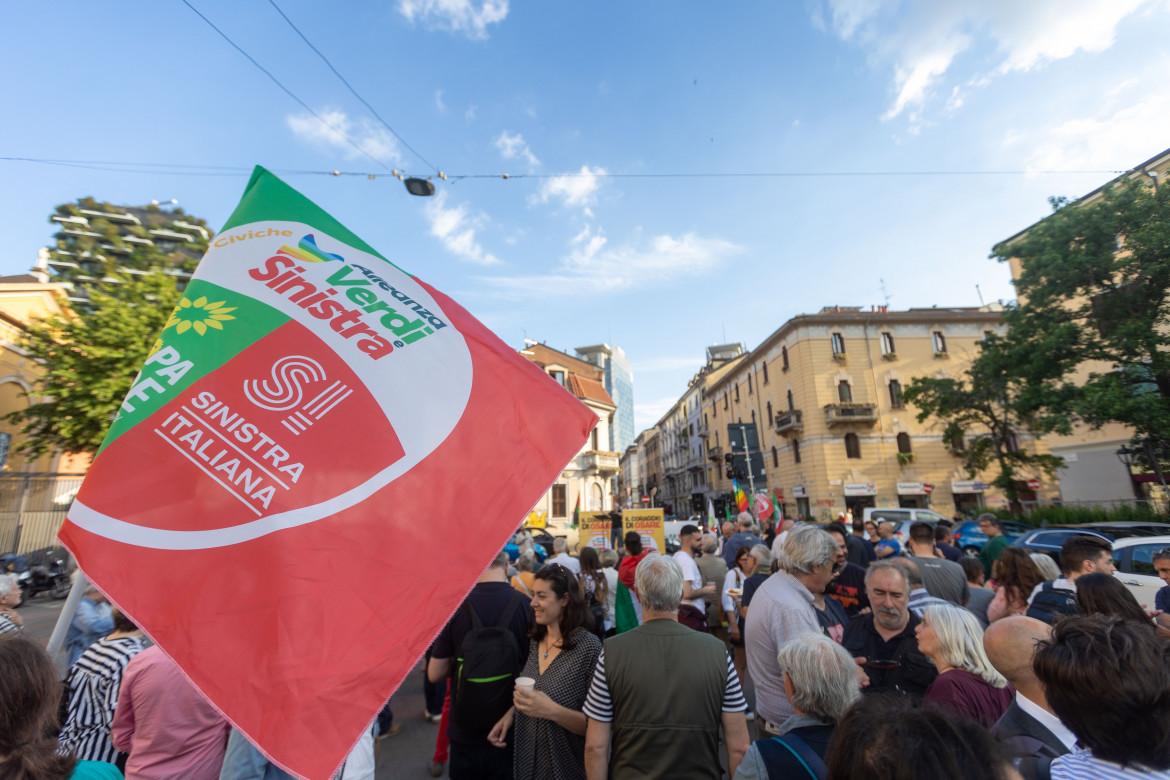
824, 391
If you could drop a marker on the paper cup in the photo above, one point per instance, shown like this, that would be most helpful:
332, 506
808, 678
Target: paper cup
527, 683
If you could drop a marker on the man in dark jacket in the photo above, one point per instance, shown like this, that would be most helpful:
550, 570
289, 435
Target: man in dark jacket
1029, 730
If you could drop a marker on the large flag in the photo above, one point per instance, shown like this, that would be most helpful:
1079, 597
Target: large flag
741, 500
779, 510
264, 502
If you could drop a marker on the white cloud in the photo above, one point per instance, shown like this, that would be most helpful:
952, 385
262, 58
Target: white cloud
646, 414
456, 16
374, 139
469, 113
456, 227
439, 104
921, 39
531, 111
1126, 126
593, 266
514, 146
575, 189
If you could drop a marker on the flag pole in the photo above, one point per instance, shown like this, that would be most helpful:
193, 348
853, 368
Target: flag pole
57, 639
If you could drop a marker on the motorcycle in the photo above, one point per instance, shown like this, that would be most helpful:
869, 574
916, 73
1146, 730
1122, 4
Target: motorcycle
42, 571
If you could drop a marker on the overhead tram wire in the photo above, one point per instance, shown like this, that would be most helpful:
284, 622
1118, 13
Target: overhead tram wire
348, 86
283, 88
191, 169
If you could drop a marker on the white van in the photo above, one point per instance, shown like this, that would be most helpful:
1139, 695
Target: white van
902, 518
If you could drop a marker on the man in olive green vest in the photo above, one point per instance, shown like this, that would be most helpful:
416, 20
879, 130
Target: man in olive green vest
661, 692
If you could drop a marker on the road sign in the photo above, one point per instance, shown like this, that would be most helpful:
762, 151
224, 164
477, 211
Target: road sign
1033, 484
645, 499
927, 488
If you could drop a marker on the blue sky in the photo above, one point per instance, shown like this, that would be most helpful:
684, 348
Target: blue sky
661, 265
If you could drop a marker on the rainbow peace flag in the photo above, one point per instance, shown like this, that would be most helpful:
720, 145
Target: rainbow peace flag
741, 500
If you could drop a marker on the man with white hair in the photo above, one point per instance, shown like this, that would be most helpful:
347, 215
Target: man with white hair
561, 550
743, 538
820, 680
778, 543
661, 692
10, 622
780, 610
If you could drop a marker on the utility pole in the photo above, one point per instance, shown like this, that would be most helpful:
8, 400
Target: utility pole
747, 457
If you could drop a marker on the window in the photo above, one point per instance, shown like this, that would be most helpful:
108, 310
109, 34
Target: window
725, 402
558, 375
844, 392
852, 446
895, 394
705, 423
957, 442
796, 450
904, 443
559, 501
737, 392
888, 344
1142, 561
770, 418
939, 341
764, 367
987, 334
838, 344
749, 384
593, 440
775, 457
791, 405
783, 358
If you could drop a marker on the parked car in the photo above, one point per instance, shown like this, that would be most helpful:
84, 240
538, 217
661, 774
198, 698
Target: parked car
1134, 558
970, 539
543, 540
1049, 540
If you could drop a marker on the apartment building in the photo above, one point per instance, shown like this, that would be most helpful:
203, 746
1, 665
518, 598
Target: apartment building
824, 392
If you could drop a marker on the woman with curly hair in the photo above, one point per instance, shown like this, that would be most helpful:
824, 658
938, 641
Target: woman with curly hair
1016, 576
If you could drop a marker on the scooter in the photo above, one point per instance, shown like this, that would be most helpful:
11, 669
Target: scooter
43, 571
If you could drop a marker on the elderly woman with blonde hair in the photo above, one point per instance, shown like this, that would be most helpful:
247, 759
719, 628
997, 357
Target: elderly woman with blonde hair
967, 683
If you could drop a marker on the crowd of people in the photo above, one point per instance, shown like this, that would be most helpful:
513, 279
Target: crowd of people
855, 653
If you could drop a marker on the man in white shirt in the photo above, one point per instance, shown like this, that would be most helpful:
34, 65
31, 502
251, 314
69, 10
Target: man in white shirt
690, 539
560, 547
1029, 730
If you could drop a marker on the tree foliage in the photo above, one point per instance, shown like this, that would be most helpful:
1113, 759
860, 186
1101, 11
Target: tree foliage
1095, 292
91, 361
985, 413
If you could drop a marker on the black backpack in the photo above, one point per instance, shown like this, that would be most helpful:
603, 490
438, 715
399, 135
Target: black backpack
486, 670
1051, 604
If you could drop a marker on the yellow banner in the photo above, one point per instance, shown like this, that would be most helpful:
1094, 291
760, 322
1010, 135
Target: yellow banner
593, 530
649, 523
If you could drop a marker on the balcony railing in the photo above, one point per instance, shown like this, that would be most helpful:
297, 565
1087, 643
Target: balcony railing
597, 460
789, 421
850, 413
715, 453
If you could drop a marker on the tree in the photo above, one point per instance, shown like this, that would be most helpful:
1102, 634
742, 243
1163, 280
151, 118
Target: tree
91, 361
1095, 299
984, 413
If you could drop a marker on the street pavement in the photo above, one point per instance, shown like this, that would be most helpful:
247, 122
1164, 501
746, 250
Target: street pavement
404, 756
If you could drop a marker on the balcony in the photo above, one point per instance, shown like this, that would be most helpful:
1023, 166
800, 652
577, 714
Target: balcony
702, 430
836, 414
790, 421
599, 462
715, 453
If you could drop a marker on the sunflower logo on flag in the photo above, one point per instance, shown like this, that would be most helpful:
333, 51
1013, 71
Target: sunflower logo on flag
199, 315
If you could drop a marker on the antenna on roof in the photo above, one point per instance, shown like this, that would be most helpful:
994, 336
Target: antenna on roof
885, 294
980, 293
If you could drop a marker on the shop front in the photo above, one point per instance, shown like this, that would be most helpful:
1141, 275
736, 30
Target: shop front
914, 495
968, 495
859, 495
800, 494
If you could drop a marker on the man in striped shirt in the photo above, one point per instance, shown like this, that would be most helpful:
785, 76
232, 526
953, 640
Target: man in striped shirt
661, 693
93, 684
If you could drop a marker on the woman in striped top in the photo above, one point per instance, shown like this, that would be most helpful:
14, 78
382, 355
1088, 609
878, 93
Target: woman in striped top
93, 684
